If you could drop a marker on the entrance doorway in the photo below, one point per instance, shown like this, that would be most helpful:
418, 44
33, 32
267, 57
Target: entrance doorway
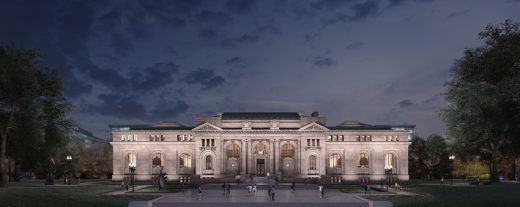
260, 167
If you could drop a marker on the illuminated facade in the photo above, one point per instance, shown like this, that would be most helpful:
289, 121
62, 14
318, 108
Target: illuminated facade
283, 144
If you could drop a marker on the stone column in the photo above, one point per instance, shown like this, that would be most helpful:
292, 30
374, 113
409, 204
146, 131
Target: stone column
323, 161
251, 156
243, 157
277, 156
271, 157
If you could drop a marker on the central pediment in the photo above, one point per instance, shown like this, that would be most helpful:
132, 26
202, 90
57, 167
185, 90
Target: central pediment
207, 127
313, 127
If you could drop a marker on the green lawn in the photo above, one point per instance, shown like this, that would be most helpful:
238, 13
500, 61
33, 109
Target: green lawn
34, 193
460, 195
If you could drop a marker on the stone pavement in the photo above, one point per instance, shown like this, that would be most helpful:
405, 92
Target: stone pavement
303, 196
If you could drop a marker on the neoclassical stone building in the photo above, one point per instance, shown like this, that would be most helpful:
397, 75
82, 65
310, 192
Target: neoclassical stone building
283, 144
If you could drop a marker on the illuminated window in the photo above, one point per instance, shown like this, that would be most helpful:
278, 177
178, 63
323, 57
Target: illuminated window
157, 160
312, 162
130, 158
363, 160
335, 161
287, 151
185, 161
122, 137
233, 150
209, 162
390, 160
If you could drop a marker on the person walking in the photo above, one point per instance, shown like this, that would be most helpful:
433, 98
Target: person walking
268, 192
320, 188
224, 188
228, 188
199, 193
293, 186
254, 189
272, 193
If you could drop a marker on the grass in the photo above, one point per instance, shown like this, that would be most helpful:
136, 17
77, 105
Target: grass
34, 193
458, 195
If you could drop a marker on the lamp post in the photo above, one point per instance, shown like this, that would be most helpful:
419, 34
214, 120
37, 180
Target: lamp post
69, 161
388, 171
131, 167
452, 159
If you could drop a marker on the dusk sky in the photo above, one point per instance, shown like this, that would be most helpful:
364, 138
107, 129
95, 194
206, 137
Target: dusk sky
141, 62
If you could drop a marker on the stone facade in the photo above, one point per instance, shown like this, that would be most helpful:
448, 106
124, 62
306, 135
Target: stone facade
283, 144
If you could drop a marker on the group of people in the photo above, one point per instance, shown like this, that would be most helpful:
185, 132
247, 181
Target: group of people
270, 193
226, 189
251, 188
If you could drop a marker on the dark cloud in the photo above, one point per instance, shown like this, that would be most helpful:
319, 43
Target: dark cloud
155, 76
311, 37
457, 14
322, 61
72, 86
120, 44
166, 7
247, 38
214, 18
208, 34
271, 29
108, 21
205, 77
355, 45
74, 26
358, 12
240, 6
393, 3
110, 78
329, 4
168, 110
364, 10
118, 106
234, 60
406, 103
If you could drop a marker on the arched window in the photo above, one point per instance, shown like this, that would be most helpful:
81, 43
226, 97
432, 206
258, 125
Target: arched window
209, 162
185, 161
233, 150
157, 160
130, 159
260, 149
363, 160
390, 160
287, 150
335, 161
312, 162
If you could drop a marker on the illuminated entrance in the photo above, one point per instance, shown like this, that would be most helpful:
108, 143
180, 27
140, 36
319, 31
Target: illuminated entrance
260, 167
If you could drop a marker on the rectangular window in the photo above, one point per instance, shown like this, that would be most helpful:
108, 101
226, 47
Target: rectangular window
212, 142
203, 142
318, 142
308, 142
313, 142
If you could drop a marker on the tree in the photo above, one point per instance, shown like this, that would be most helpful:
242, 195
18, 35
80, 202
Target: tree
32, 110
415, 157
483, 97
18, 89
428, 156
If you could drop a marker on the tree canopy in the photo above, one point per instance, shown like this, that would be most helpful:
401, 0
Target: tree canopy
483, 113
33, 127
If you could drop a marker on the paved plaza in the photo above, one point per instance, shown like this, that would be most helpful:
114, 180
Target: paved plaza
303, 196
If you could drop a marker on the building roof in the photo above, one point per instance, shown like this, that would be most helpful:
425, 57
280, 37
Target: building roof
260, 116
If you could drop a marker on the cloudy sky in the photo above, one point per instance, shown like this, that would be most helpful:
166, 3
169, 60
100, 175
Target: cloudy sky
137, 61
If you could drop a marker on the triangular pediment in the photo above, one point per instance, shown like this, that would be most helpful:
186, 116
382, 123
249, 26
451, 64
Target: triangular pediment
313, 127
207, 127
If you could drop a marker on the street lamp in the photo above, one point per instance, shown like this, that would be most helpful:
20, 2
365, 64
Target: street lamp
388, 171
131, 167
69, 161
452, 159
